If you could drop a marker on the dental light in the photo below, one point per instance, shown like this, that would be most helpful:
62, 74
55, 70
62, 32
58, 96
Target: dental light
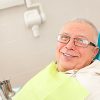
34, 17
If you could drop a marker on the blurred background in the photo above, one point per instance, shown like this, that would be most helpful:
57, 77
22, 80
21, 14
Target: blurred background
22, 55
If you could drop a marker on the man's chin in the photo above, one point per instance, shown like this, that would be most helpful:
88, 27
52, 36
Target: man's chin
66, 66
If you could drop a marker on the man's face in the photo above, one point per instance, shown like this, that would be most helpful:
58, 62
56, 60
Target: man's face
69, 56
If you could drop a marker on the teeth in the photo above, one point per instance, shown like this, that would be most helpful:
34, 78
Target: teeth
66, 54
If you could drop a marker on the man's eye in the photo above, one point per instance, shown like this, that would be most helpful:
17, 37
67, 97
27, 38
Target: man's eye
82, 41
65, 37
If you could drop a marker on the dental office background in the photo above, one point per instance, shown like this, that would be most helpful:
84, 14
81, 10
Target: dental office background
28, 33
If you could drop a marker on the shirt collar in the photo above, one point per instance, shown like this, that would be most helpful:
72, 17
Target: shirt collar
89, 68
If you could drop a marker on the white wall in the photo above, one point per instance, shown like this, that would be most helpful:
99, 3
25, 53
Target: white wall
22, 55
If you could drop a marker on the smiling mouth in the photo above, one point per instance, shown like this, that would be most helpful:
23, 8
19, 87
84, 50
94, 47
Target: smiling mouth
68, 55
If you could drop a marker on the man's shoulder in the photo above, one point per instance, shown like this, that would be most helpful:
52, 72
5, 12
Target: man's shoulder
96, 64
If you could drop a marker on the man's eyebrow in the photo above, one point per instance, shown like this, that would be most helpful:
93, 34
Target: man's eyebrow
80, 36
65, 33
73, 33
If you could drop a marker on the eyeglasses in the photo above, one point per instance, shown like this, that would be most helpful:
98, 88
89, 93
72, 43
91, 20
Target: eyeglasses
81, 42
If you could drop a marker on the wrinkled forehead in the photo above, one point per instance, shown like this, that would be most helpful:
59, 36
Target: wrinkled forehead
80, 28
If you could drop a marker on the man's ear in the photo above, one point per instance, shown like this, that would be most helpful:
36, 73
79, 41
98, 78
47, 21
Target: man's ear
96, 51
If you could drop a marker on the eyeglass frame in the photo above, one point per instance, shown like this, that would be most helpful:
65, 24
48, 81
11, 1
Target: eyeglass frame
89, 42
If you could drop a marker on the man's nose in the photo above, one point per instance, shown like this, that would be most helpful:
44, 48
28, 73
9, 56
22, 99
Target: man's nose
70, 45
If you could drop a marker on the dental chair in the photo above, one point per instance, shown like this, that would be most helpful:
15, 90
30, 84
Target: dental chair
98, 55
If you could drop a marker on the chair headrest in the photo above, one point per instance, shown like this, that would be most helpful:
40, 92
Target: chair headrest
99, 39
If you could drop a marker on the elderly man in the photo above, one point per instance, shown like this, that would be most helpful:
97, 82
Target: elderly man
75, 75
